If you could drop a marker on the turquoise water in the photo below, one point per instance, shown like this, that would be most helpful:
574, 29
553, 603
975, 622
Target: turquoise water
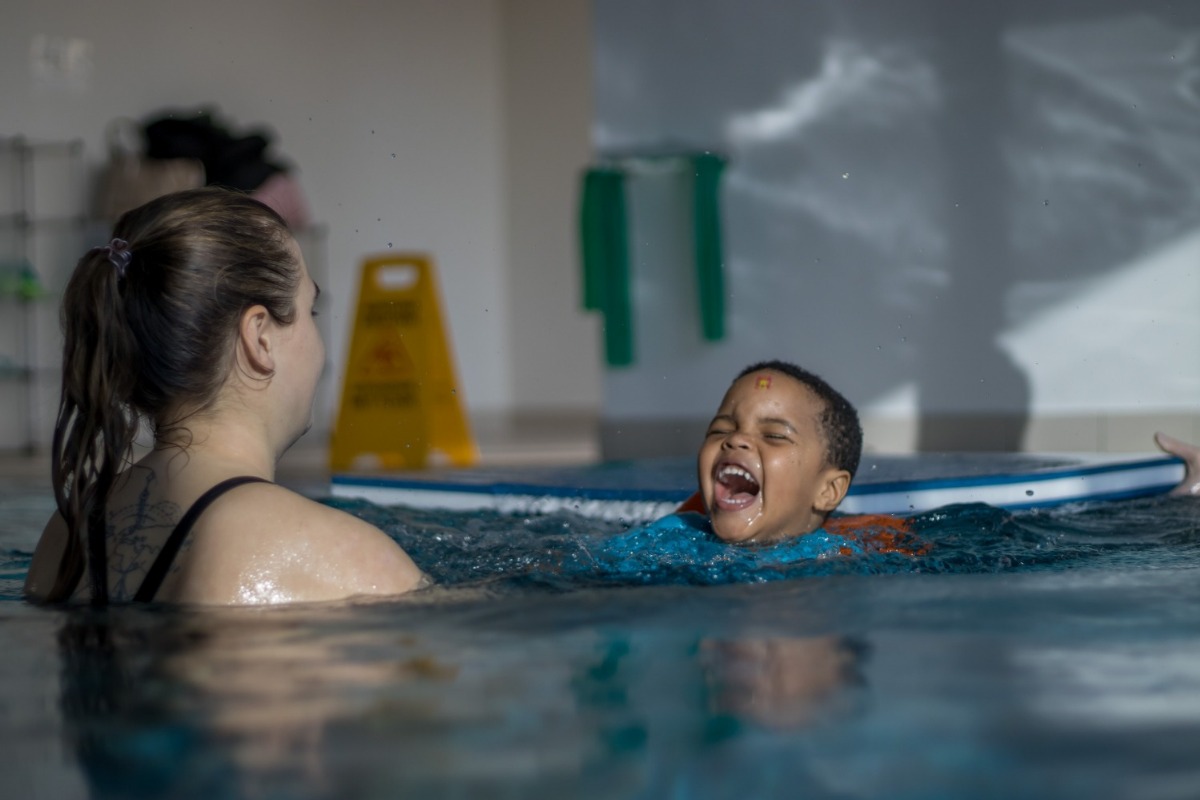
1036, 654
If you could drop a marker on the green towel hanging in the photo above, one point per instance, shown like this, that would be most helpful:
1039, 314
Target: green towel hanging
605, 254
709, 257
605, 249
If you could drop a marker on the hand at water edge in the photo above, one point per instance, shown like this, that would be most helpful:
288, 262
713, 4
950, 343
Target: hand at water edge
1190, 453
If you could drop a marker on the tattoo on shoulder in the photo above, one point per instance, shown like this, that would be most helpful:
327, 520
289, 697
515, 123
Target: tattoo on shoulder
135, 533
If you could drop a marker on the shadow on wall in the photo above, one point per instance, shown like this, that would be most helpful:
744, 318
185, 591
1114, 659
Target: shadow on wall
908, 184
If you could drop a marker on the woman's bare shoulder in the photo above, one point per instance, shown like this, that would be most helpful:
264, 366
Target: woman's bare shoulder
263, 543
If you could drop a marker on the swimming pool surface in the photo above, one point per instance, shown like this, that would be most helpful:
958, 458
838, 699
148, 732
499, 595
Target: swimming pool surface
1035, 654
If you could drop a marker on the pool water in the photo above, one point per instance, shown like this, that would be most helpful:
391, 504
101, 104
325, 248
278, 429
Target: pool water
1051, 653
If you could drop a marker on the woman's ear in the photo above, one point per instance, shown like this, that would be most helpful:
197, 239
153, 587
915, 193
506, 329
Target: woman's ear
255, 345
834, 485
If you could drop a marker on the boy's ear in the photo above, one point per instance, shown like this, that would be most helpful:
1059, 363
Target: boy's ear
255, 343
834, 485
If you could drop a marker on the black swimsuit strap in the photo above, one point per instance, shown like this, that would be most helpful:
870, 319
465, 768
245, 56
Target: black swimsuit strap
158, 570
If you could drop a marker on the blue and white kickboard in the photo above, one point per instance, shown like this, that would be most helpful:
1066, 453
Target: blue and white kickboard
639, 491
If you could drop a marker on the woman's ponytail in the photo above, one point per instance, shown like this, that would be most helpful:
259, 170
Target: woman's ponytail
95, 430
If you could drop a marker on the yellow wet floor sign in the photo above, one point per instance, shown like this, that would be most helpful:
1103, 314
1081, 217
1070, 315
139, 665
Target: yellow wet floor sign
400, 408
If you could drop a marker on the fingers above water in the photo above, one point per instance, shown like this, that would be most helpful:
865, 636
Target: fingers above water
1190, 454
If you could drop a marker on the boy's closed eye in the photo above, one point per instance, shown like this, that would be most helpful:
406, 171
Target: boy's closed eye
777, 430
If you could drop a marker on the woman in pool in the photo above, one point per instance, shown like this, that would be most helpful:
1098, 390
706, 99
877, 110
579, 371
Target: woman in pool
197, 321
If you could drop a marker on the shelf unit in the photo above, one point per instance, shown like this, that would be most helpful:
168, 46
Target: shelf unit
45, 226
43, 223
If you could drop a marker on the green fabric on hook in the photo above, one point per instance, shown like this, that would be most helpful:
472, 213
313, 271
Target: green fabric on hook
592, 240
605, 257
709, 256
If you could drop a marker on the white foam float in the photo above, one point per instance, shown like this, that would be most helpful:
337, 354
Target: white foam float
645, 490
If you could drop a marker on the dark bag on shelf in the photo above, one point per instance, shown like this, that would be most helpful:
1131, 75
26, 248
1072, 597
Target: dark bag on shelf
233, 160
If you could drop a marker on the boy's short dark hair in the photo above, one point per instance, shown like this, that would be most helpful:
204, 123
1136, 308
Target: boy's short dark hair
838, 422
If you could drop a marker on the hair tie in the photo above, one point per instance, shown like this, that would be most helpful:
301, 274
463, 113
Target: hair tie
118, 255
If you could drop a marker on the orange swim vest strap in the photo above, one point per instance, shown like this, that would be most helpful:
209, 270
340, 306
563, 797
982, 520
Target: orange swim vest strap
854, 523
879, 533
694, 503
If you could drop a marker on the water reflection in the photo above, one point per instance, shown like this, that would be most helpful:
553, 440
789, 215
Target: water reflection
853, 686
783, 683
213, 703
436, 696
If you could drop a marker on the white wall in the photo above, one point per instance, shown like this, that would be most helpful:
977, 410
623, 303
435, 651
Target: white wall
556, 351
394, 113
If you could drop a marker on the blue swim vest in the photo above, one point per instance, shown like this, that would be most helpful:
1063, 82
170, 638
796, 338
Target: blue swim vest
682, 548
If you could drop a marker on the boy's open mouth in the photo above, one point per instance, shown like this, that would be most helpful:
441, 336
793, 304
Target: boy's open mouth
734, 487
